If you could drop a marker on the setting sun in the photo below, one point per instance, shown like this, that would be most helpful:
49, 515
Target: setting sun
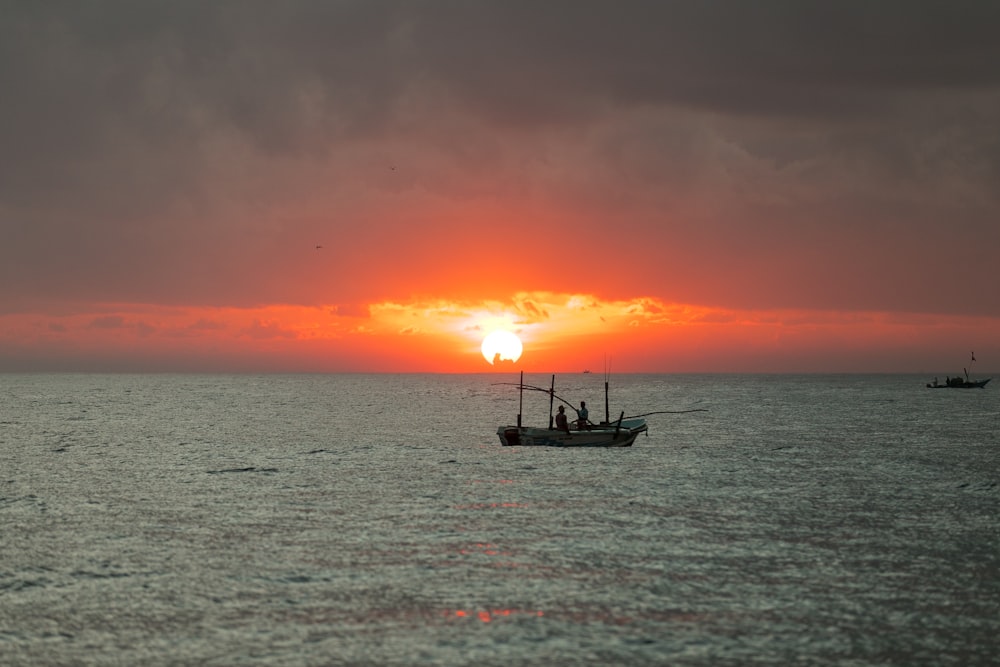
502, 346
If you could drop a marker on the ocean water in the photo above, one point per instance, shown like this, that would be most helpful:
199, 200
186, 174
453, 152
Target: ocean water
377, 520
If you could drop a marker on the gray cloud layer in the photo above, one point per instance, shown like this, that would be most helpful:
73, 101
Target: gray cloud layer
833, 152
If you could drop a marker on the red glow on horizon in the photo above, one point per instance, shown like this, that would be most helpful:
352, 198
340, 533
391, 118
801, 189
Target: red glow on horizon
560, 333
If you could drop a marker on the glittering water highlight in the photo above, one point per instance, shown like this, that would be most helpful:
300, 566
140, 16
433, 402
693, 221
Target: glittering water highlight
376, 519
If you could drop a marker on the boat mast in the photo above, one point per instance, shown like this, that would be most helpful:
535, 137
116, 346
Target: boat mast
607, 411
607, 374
552, 394
520, 399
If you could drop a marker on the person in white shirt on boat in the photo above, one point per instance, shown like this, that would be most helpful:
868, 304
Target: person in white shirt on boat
561, 423
582, 417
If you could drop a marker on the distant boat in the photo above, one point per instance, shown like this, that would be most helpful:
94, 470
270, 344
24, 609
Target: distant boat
958, 382
621, 433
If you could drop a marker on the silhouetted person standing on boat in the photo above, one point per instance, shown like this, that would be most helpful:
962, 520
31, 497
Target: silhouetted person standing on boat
582, 416
561, 423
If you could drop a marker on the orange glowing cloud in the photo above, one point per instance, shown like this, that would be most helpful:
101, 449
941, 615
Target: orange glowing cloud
559, 332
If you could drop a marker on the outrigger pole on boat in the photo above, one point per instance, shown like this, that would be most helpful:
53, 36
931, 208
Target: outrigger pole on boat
530, 387
520, 398
667, 412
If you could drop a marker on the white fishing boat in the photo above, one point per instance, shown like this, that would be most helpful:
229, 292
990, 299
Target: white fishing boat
620, 433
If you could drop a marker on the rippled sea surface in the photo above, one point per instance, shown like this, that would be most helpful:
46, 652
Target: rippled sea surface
377, 520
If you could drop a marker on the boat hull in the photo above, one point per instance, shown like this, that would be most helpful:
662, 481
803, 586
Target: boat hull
605, 435
979, 384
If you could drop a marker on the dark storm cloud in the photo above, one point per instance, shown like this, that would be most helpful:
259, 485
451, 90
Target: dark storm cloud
86, 77
80, 75
784, 58
151, 151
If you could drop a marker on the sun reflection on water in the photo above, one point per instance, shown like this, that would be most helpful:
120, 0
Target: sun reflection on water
489, 615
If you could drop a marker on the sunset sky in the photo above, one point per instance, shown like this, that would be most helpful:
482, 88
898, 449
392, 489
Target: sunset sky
725, 186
